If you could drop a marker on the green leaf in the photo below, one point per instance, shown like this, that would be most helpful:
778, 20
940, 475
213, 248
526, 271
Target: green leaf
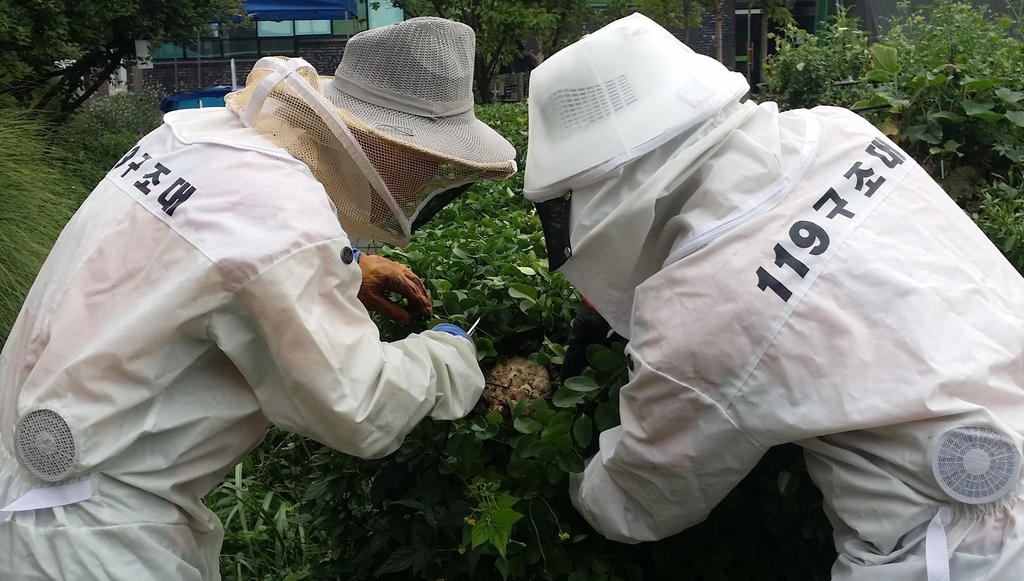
581, 384
527, 270
606, 416
502, 565
501, 527
506, 500
558, 558
1016, 117
602, 359
527, 425
787, 483
520, 407
422, 558
410, 503
877, 76
450, 302
566, 397
974, 108
928, 133
400, 560
1008, 95
884, 58
571, 462
982, 111
522, 291
583, 431
481, 532
979, 84
949, 115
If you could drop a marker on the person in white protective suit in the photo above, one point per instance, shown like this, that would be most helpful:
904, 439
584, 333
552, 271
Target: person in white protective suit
207, 289
780, 277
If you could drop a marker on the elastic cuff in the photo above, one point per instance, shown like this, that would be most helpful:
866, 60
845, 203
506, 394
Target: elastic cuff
451, 330
356, 253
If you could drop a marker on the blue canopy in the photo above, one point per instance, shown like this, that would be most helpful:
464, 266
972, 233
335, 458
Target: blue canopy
212, 97
279, 10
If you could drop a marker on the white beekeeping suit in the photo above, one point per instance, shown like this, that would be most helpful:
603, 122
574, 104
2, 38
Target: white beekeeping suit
781, 277
207, 289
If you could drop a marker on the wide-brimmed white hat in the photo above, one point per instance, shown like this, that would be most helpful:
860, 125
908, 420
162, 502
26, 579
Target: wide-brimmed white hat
614, 96
413, 81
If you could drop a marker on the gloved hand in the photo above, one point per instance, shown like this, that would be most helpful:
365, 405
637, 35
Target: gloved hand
380, 276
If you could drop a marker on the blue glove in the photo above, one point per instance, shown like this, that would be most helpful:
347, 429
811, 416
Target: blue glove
451, 330
356, 253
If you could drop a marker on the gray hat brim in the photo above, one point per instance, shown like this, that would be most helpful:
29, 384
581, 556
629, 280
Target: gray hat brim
460, 136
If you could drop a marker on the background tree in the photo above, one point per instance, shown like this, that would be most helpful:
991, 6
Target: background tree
57, 53
771, 11
672, 14
501, 26
716, 7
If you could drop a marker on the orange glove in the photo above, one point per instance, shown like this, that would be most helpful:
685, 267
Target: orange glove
380, 276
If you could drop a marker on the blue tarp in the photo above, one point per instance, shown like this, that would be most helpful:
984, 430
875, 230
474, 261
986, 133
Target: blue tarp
212, 97
301, 9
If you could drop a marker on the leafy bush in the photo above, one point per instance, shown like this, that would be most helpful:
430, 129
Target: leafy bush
39, 194
102, 130
999, 212
951, 79
806, 68
946, 82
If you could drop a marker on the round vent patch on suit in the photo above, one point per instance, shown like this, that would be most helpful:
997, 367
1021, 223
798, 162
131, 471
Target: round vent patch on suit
975, 465
45, 445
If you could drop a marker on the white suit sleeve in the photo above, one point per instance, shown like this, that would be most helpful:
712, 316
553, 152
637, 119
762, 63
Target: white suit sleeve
674, 457
307, 346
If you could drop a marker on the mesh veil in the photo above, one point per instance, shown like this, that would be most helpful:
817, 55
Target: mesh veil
377, 184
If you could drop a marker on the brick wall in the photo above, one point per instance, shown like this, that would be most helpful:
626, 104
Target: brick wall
323, 53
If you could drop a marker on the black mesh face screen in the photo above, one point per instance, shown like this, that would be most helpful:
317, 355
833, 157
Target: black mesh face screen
554, 217
436, 203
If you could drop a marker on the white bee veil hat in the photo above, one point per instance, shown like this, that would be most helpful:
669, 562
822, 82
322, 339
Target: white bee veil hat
391, 139
613, 96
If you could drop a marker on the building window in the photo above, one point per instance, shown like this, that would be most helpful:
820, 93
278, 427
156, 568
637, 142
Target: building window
312, 27
268, 28
256, 39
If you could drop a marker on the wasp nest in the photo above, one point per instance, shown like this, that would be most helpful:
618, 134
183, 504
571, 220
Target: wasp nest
512, 381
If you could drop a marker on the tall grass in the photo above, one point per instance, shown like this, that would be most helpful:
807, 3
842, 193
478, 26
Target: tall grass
39, 192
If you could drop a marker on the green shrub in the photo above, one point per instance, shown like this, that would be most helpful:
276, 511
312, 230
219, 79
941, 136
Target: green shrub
999, 212
102, 130
806, 68
950, 77
39, 192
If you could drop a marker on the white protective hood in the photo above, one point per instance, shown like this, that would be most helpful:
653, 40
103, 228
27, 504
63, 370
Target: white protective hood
635, 169
854, 310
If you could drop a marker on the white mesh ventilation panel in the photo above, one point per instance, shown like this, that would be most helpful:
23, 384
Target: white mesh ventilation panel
975, 465
575, 109
45, 445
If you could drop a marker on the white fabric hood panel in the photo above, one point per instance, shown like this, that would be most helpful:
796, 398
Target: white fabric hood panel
200, 294
860, 314
678, 194
611, 97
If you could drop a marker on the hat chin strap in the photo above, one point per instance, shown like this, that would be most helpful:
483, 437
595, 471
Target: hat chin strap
398, 101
